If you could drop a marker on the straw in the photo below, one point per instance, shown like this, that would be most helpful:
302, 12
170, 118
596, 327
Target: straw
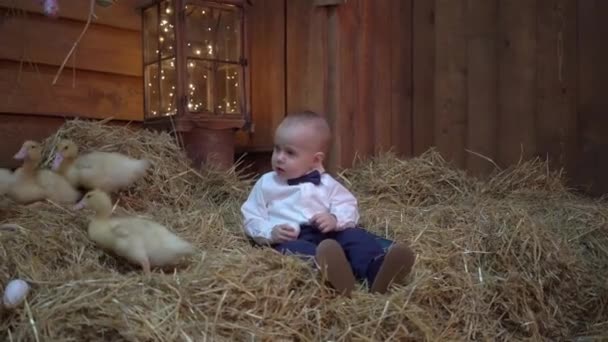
516, 257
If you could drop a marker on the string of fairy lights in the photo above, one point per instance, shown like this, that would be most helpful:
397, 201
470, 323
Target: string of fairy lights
212, 73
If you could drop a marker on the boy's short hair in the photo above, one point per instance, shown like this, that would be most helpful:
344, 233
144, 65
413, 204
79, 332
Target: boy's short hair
317, 121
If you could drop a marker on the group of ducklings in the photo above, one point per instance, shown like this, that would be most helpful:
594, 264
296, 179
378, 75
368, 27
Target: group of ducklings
140, 241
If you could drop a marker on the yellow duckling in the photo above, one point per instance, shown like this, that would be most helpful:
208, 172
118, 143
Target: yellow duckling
106, 171
31, 184
138, 240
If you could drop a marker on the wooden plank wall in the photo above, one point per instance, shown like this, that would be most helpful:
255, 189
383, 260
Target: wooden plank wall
592, 105
103, 79
266, 34
288, 47
374, 62
503, 79
291, 66
507, 79
498, 78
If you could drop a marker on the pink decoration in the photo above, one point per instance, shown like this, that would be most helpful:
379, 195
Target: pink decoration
51, 8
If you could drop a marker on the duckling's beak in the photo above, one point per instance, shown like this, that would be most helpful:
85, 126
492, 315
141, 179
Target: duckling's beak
57, 161
21, 154
79, 205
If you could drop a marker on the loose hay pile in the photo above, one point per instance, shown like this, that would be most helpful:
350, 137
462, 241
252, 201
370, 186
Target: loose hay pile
517, 257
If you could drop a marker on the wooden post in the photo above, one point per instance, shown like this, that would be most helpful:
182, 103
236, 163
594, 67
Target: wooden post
334, 160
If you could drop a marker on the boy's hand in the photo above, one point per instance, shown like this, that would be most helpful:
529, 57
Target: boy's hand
326, 222
283, 233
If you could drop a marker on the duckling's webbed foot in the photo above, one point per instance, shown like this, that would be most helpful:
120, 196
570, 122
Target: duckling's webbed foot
145, 265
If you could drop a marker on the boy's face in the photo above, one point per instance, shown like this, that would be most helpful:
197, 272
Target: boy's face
296, 151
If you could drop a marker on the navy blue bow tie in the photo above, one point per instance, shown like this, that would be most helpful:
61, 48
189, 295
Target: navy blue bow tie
313, 177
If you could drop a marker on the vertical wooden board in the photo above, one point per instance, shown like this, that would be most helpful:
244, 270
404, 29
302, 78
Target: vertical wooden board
267, 67
347, 78
556, 83
450, 80
335, 158
481, 85
517, 80
306, 84
401, 76
364, 119
592, 100
423, 112
381, 74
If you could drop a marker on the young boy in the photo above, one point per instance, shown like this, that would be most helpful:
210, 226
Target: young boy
299, 209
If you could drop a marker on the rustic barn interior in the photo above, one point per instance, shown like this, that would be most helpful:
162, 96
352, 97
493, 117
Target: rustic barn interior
456, 89
502, 79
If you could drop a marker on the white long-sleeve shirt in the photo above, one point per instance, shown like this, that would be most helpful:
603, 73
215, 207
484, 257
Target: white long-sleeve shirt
272, 202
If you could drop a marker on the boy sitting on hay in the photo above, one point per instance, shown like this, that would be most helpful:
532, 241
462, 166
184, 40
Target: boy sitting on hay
300, 209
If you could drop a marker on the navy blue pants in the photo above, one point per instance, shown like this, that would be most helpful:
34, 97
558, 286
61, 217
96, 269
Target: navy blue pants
363, 251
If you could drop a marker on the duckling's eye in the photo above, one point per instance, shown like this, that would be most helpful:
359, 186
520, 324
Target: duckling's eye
65, 148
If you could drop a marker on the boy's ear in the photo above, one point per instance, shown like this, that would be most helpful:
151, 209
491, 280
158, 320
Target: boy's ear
319, 157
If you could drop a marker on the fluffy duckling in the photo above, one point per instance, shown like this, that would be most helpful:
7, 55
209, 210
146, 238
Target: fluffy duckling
106, 171
138, 240
7, 178
31, 184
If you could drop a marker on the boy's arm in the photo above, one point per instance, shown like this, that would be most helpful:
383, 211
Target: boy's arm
256, 224
343, 205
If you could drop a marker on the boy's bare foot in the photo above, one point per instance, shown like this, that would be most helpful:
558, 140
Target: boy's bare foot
397, 263
335, 267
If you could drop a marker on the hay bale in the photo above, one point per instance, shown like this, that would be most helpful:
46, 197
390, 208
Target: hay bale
515, 257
